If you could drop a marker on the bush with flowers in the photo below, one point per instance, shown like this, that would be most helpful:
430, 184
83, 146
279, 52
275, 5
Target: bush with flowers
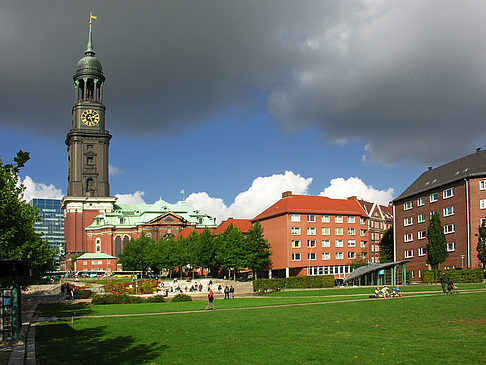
144, 287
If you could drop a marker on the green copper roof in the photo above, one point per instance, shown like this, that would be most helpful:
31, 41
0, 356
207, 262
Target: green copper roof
136, 214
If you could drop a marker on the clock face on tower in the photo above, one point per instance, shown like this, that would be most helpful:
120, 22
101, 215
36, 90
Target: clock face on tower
90, 117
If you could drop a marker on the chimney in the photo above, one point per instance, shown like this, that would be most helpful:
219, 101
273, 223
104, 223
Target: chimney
286, 194
352, 197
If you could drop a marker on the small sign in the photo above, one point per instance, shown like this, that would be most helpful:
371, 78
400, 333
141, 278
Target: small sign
7, 302
381, 272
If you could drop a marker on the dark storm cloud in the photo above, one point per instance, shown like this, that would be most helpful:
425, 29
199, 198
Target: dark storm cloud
407, 77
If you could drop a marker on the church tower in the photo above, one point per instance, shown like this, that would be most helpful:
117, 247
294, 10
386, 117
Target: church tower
88, 192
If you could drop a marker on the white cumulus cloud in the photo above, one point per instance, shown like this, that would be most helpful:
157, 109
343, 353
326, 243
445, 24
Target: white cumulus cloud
113, 170
354, 186
40, 190
263, 192
135, 198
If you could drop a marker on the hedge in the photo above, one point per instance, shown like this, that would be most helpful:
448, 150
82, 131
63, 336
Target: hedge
456, 275
82, 293
181, 298
125, 299
293, 282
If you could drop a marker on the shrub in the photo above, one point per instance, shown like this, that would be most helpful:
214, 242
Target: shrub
456, 275
181, 298
293, 282
155, 299
82, 293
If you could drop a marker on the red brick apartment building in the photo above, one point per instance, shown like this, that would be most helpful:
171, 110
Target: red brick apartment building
457, 191
315, 235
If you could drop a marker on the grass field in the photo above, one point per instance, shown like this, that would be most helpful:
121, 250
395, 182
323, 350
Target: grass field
437, 329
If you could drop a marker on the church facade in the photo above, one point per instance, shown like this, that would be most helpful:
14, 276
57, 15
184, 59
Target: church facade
93, 222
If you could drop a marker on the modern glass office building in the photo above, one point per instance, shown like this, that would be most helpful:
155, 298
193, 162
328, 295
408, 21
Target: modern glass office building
51, 224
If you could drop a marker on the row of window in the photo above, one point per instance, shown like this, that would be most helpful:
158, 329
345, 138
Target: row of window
329, 270
96, 262
311, 256
448, 228
447, 193
451, 246
326, 218
327, 243
446, 212
326, 231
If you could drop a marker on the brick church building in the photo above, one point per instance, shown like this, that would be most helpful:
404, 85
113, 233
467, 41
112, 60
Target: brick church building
93, 222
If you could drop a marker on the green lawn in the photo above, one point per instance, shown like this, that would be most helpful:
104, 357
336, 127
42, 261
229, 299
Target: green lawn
438, 329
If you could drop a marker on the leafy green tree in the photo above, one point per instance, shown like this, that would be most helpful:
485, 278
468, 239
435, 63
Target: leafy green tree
257, 250
137, 254
437, 244
18, 239
482, 243
359, 261
205, 251
386, 246
231, 250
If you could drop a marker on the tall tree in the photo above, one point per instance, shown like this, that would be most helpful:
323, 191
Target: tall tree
231, 250
18, 239
137, 254
257, 250
204, 251
386, 246
437, 244
482, 243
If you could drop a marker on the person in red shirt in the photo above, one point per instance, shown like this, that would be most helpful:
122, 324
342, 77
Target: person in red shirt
210, 300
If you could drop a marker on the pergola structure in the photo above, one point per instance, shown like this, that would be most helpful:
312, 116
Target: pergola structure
391, 273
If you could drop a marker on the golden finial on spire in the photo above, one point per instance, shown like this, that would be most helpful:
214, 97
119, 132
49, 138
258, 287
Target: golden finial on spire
91, 16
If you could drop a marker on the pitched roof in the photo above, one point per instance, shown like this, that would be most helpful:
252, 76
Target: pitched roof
186, 232
311, 204
126, 215
473, 165
93, 256
243, 224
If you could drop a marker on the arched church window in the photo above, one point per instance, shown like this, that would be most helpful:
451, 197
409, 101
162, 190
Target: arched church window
126, 239
118, 246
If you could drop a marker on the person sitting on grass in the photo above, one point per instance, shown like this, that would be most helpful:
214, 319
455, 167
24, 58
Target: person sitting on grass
377, 292
385, 292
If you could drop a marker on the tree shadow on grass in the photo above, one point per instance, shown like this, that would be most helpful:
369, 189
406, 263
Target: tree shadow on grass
61, 344
63, 310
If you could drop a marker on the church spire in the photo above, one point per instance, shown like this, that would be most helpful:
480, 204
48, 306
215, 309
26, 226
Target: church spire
89, 50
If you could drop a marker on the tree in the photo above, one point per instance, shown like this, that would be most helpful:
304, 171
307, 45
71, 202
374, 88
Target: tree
231, 249
437, 244
18, 239
482, 242
258, 252
137, 254
386, 246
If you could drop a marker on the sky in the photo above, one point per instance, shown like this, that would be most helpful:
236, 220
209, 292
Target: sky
235, 102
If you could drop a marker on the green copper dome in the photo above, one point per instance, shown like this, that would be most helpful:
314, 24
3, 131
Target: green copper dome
89, 65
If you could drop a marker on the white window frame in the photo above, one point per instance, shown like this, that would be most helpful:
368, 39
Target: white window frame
326, 219
421, 235
296, 244
311, 243
351, 243
421, 201
339, 231
407, 221
351, 219
295, 218
362, 232
449, 228
434, 197
362, 244
338, 243
295, 231
338, 219
311, 231
448, 193
421, 251
451, 246
362, 220
447, 211
326, 256
311, 256
296, 256
482, 185
482, 204
326, 231
339, 255
408, 254
311, 218
351, 255
351, 231
421, 218
326, 243
408, 205
408, 237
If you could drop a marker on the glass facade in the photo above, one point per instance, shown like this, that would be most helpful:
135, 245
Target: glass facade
51, 224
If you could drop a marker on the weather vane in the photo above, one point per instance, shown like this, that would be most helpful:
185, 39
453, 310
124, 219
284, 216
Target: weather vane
91, 16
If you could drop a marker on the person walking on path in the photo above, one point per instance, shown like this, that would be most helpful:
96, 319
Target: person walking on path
210, 300
444, 281
226, 292
232, 292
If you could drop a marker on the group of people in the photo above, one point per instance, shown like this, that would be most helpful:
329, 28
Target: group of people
448, 286
385, 292
229, 293
166, 289
68, 289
